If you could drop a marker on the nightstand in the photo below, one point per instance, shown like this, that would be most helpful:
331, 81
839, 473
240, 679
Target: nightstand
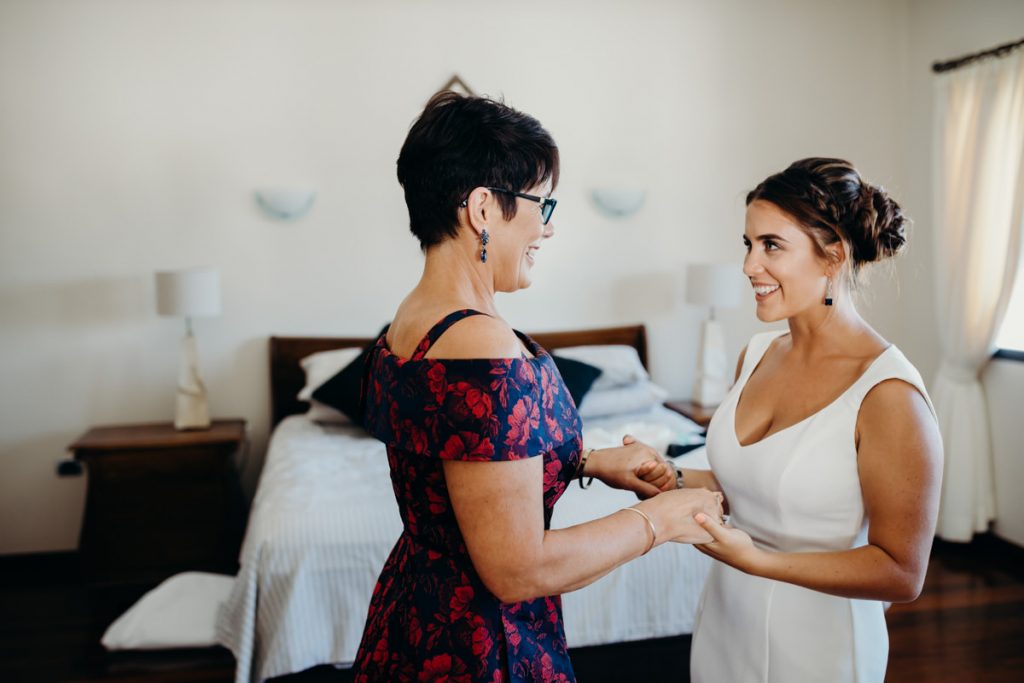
697, 413
160, 501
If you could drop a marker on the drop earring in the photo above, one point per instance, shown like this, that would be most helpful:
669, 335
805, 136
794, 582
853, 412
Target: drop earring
484, 239
828, 293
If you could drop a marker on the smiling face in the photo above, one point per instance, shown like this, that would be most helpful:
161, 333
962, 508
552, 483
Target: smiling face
514, 244
786, 270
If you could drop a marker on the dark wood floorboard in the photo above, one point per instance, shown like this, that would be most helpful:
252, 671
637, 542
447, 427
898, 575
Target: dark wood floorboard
968, 625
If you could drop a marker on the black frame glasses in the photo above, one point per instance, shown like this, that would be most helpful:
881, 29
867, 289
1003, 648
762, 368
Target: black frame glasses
547, 204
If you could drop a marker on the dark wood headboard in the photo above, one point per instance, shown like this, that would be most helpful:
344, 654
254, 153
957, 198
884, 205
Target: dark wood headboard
287, 377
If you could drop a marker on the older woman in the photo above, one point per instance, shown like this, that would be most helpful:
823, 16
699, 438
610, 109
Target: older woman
482, 434
826, 447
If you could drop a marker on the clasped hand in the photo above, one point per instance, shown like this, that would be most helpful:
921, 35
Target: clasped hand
634, 466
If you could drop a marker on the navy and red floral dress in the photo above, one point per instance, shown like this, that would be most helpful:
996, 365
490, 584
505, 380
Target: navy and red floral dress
431, 618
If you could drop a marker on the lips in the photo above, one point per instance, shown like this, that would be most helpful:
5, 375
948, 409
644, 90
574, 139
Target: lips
763, 291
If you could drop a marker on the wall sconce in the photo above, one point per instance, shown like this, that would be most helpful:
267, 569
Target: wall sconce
618, 203
285, 204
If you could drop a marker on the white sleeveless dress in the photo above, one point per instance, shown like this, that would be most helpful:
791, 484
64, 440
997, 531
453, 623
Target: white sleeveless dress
796, 490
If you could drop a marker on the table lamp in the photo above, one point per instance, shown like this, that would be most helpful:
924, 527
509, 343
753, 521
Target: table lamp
189, 293
715, 286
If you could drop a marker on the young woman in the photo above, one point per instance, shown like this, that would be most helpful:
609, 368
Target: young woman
826, 448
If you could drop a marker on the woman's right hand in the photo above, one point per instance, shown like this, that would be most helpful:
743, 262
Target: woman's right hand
672, 513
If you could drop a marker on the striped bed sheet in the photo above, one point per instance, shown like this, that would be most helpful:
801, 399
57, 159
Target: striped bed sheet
324, 520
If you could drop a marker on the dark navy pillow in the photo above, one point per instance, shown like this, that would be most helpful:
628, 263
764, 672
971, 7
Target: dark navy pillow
578, 376
343, 392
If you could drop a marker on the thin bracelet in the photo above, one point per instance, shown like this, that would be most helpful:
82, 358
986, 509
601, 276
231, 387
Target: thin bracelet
679, 478
654, 531
583, 464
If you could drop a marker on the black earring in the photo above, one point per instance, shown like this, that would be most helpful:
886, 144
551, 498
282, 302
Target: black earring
828, 293
484, 239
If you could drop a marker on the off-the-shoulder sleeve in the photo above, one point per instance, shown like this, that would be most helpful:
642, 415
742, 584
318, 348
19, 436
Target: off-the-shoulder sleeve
475, 409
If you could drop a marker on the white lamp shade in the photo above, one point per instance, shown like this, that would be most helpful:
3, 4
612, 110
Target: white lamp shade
190, 293
714, 284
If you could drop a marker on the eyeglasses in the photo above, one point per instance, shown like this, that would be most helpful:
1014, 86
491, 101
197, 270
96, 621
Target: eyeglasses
547, 204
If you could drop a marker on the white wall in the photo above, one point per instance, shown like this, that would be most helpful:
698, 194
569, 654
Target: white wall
133, 133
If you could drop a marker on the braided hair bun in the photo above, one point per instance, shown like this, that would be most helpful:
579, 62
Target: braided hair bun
833, 203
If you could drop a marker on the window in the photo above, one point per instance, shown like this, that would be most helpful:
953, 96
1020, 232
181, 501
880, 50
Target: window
1011, 334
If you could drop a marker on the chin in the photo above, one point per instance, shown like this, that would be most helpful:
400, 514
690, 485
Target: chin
769, 316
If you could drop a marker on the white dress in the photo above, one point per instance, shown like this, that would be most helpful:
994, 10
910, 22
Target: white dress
796, 490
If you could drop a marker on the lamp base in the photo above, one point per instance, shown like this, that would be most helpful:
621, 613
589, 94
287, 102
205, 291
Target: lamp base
712, 381
191, 409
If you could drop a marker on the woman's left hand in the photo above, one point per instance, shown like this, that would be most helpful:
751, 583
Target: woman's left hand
634, 466
730, 545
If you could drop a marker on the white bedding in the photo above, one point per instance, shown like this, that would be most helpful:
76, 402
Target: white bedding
324, 520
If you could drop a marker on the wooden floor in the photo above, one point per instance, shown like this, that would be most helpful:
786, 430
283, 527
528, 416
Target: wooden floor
967, 626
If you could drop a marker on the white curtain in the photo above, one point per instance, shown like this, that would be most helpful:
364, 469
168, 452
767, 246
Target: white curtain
979, 208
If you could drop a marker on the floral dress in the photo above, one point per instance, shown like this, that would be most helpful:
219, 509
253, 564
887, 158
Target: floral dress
431, 618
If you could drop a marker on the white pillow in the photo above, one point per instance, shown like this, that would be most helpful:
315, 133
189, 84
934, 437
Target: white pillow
322, 366
180, 612
619, 364
639, 397
324, 414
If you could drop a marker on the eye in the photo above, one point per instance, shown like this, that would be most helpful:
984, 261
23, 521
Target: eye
746, 244
770, 245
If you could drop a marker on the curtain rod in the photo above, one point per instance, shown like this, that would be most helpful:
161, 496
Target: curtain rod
1001, 50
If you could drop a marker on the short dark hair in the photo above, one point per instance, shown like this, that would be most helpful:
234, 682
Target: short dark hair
459, 143
832, 203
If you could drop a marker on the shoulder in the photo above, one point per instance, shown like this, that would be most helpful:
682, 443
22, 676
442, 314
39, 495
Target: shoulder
895, 408
478, 336
757, 347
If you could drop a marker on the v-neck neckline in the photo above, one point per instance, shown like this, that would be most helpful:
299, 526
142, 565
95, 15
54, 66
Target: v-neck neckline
844, 392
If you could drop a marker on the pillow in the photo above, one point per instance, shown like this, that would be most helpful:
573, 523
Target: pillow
324, 414
619, 364
180, 612
343, 391
637, 398
323, 365
578, 376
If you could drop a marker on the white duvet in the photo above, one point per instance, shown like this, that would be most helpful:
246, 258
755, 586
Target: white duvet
324, 520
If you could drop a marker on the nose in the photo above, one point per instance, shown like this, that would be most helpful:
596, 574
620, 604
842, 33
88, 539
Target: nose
549, 230
752, 265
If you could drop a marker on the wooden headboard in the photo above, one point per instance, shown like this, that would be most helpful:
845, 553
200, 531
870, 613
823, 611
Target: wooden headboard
287, 377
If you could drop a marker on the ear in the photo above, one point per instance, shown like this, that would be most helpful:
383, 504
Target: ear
479, 209
835, 255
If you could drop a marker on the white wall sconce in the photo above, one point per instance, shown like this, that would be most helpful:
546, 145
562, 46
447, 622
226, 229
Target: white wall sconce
618, 203
285, 204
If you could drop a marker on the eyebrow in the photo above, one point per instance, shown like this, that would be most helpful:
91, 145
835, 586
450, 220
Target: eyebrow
768, 236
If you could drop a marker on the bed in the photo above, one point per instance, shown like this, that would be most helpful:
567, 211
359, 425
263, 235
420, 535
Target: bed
324, 519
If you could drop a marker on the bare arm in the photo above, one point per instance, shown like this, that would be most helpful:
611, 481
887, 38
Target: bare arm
900, 467
499, 507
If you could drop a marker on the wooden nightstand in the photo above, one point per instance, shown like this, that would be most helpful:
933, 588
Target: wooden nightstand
697, 413
160, 501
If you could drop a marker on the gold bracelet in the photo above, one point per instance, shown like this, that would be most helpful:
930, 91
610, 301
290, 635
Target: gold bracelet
654, 531
583, 464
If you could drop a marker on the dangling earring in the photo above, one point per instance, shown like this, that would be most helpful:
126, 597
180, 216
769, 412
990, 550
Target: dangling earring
828, 293
484, 239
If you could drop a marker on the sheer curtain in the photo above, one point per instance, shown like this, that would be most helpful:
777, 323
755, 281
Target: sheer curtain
979, 207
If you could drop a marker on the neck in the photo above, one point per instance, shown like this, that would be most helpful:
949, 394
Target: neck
823, 328
453, 272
